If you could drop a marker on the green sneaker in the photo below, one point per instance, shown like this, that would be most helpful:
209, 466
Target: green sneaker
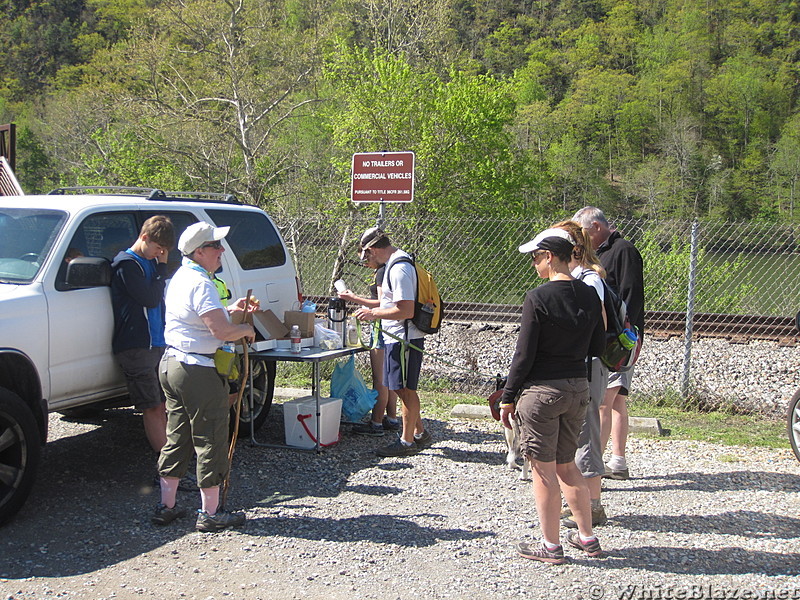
164, 515
219, 521
598, 518
425, 440
369, 429
398, 448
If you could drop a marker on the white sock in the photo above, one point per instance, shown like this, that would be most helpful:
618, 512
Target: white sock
405, 443
550, 546
617, 463
210, 499
169, 491
586, 540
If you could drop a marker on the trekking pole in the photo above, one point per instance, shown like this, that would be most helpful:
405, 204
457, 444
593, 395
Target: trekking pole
245, 374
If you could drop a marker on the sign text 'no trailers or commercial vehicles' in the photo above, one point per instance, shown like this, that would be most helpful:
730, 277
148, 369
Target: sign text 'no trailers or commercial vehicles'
383, 177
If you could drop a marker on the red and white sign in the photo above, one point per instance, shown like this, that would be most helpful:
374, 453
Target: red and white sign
383, 177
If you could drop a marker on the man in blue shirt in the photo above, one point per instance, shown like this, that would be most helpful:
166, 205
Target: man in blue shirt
137, 294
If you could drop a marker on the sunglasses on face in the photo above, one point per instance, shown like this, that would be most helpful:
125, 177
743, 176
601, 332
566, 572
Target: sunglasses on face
537, 253
216, 245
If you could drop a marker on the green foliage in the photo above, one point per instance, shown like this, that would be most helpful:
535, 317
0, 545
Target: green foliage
662, 108
666, 276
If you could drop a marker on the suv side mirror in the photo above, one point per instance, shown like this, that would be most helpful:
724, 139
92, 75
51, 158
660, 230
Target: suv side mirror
87, 272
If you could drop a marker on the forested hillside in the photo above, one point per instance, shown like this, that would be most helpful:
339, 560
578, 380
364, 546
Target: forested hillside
653, 108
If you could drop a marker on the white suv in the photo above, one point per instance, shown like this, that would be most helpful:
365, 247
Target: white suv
57, 320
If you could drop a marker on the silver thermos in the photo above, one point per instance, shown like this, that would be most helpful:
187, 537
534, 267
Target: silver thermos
337, 314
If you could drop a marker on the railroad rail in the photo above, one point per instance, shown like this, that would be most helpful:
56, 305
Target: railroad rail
658, 323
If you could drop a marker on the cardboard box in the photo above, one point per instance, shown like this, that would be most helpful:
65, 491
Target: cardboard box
265, 322
304, 320
330, 411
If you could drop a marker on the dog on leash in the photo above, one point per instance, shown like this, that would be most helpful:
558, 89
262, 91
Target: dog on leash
512, 436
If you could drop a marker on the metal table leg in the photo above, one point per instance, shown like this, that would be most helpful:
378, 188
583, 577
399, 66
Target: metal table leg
315, 393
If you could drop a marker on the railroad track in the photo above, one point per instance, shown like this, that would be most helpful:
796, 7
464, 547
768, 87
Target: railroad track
659, 324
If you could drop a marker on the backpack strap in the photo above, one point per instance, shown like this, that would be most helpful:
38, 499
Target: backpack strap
409, 260
405, 259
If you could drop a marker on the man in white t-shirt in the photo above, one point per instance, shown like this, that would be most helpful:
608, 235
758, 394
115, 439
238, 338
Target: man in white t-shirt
404, 342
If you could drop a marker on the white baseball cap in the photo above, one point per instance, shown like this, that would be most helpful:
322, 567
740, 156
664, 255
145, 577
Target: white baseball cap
554, 238
198, 234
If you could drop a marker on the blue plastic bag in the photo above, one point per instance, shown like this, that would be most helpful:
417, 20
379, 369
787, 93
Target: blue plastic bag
347, 384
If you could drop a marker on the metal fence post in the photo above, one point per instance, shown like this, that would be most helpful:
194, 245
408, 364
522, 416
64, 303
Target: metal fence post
687, 344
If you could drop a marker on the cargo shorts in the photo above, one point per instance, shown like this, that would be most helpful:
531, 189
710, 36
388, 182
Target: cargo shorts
550, 415
198, 419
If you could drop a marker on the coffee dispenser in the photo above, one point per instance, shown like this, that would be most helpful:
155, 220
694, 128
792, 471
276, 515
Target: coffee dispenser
337, 314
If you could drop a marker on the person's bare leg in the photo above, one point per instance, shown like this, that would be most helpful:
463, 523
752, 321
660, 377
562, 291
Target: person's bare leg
576, 493
155, 426
412, 419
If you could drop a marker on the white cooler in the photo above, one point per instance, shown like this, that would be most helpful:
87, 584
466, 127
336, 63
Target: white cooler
330, 410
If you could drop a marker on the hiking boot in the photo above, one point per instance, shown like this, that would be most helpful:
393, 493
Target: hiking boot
390, 426
398, 448
368, 429
598, 517
591, 548
554, 557
165, 516
425, 440
618, 474
222, 520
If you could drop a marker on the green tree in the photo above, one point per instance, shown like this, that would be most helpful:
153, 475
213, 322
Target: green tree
209, 85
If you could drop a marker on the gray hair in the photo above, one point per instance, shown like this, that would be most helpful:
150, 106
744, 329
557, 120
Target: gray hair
588, 215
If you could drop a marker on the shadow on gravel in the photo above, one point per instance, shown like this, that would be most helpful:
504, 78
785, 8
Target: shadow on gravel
384, 528
753, 524
91, 502
714, 482
694, 561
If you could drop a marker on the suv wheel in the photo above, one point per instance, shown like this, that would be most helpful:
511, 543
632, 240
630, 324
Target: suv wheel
793, 423
263, 391
19, 453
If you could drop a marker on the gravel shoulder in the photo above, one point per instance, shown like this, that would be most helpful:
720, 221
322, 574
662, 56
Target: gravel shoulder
441, 524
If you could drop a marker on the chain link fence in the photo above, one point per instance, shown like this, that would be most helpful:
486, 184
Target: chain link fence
715, 293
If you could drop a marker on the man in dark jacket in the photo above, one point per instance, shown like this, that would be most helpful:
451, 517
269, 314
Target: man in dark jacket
137, 295
625, 274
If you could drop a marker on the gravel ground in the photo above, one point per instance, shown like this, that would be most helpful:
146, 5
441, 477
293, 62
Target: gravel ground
696, 521
757, 376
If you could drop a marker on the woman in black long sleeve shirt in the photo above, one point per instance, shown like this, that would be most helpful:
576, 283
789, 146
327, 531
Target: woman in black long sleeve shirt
561, 326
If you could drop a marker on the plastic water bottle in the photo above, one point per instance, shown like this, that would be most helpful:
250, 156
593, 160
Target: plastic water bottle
294, 334
229, 347
628, 338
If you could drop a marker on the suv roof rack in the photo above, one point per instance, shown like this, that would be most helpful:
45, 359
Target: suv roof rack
211, 196
148, 193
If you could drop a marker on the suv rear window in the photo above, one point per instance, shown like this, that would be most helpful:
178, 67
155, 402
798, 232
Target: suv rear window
252, 237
